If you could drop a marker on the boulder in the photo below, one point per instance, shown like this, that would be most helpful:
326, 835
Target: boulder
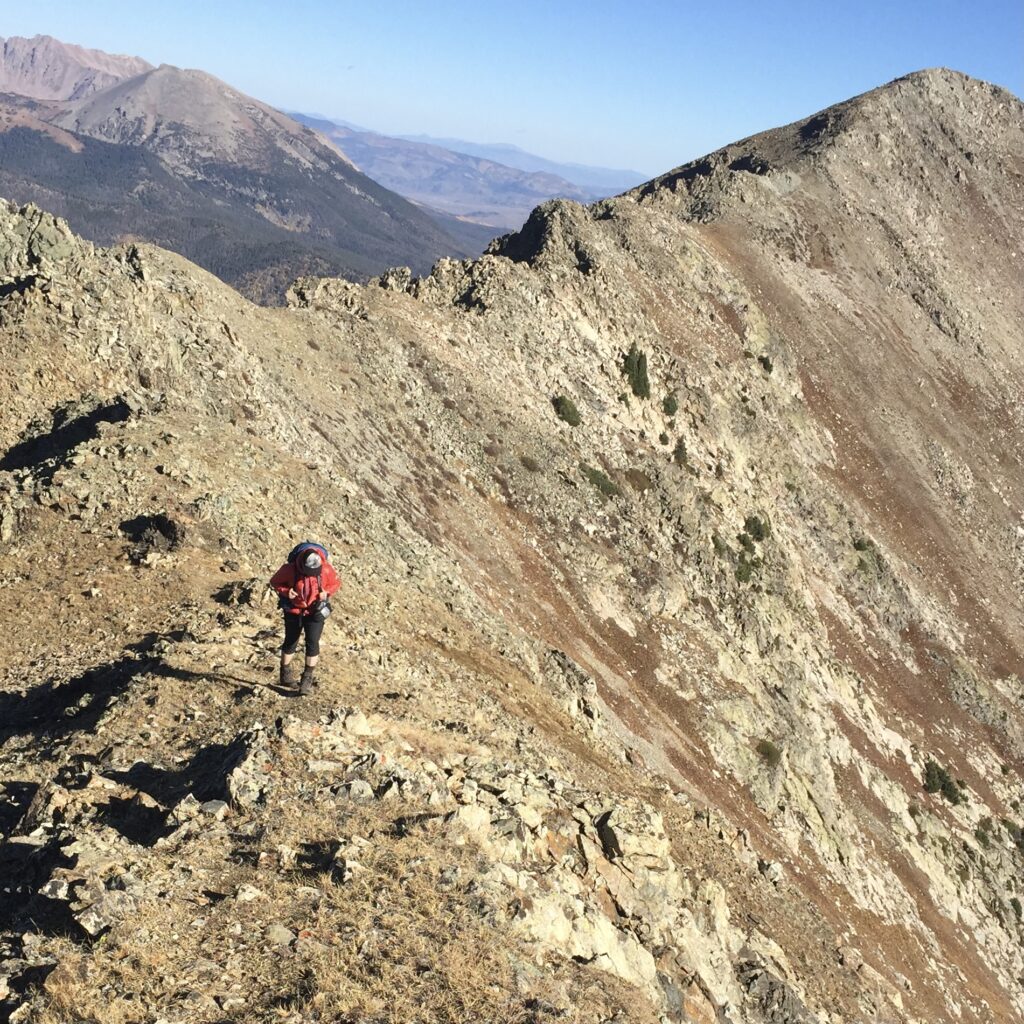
248, 769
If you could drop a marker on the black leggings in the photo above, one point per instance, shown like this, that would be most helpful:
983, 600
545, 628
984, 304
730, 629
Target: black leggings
293, 626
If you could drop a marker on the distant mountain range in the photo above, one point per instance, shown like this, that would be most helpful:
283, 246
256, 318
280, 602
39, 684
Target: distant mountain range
123, 149
604, 181
464, 185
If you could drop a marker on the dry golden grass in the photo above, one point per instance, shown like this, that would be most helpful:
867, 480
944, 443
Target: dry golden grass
414, 953
431, 744
105, 985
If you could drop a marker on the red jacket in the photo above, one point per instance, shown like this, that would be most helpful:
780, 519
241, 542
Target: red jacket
308, 587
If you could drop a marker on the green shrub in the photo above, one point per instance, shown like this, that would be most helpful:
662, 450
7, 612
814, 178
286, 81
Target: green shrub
601, 481
634, 368
770, 753
757, 528
938, 780
670, 404
565, 410
863, 544
933, 776
982, 836
679, 455
747, 562
663, 438
721, 548
1018, 910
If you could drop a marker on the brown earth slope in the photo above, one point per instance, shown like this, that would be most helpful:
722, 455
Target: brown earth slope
626, 720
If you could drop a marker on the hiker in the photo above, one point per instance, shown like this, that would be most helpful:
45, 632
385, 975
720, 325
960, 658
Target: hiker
305, 584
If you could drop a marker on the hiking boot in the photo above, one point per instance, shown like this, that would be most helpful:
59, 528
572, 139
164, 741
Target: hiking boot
289, 677
307, 682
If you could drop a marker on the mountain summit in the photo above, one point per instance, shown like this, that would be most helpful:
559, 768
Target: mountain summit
46, 69
187, 117
922, 124
676, 674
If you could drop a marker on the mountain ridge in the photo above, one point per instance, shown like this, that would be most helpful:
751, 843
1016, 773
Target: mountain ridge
807, 136
45, 68
681, 539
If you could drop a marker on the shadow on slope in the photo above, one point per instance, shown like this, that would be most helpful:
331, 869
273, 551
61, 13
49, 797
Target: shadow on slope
28, 866
203, 776
72, 425
56, 709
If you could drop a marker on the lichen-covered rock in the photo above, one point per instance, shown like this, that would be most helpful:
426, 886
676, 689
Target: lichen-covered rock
248, 769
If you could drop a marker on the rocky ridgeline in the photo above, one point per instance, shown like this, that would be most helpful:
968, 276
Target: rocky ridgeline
681, 543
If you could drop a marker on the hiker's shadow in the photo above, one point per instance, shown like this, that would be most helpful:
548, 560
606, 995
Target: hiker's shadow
66, 432
248, 685
54, 709
203, 776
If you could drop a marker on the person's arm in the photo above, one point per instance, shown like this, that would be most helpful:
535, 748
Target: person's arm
329, 580
283, 581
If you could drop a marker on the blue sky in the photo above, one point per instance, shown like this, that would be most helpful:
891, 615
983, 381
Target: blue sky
646, 84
